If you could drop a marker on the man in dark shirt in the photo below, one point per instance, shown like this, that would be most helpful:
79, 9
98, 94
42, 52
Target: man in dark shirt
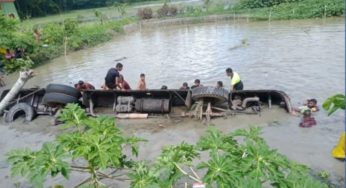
112, 77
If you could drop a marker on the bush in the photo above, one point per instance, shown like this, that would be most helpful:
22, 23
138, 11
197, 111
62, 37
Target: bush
53, 34
163, 11
41, 54
167, 10
17, 64
146, 13
173, 10
192, 11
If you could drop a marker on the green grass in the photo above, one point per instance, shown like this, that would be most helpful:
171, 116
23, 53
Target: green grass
298, 10
88, 15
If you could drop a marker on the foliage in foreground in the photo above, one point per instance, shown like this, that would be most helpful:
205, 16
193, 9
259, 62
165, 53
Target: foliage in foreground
238, 159
95, 141
333, 103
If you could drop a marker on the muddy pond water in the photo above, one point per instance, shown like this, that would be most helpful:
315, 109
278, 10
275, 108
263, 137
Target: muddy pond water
304, 58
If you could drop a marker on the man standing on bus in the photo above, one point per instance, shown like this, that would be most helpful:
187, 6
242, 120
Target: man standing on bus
236, 83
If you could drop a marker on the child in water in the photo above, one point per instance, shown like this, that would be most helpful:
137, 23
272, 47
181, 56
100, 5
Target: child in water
141, 83
308, 120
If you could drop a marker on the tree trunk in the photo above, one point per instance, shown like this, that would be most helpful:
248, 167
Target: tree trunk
24, 76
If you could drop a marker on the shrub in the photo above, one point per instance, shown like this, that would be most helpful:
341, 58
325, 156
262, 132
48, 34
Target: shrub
97, 141
146, 13
70, 26
167, 10
17, 64
163, 11
173, 10
23, 40
53, 34
41, 54
192, 11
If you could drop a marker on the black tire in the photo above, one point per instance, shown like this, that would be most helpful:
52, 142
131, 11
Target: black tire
54, 99
64, 89
20, 109
209, 93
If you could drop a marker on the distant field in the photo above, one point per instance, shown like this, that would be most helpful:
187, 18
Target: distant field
110, 12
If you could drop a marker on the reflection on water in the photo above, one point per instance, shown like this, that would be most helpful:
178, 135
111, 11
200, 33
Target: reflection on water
303, 58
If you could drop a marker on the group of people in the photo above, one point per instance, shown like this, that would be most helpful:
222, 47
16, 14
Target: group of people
115, 81
10, 54
236, 83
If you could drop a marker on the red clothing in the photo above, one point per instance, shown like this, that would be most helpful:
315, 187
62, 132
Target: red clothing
126, 85
85, 86
308, 122
9, 56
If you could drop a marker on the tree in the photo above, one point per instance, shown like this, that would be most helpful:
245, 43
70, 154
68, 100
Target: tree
98, 142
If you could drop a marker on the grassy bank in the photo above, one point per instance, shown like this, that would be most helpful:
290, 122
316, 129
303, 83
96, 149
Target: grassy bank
296, 10
288, 9
55, 39
74, 36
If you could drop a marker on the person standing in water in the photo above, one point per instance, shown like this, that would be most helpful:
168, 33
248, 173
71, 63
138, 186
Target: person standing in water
112, 77
236, 83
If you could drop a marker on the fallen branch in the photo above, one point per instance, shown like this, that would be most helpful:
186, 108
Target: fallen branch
24, 76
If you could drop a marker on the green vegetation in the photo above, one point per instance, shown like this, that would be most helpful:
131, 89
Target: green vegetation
63, 33
95, 141
56, 38
238, 159
333, 103
271, 9
36, 8
291, 9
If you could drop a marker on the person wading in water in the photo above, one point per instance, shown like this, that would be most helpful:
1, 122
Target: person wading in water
236, 83
112, 77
